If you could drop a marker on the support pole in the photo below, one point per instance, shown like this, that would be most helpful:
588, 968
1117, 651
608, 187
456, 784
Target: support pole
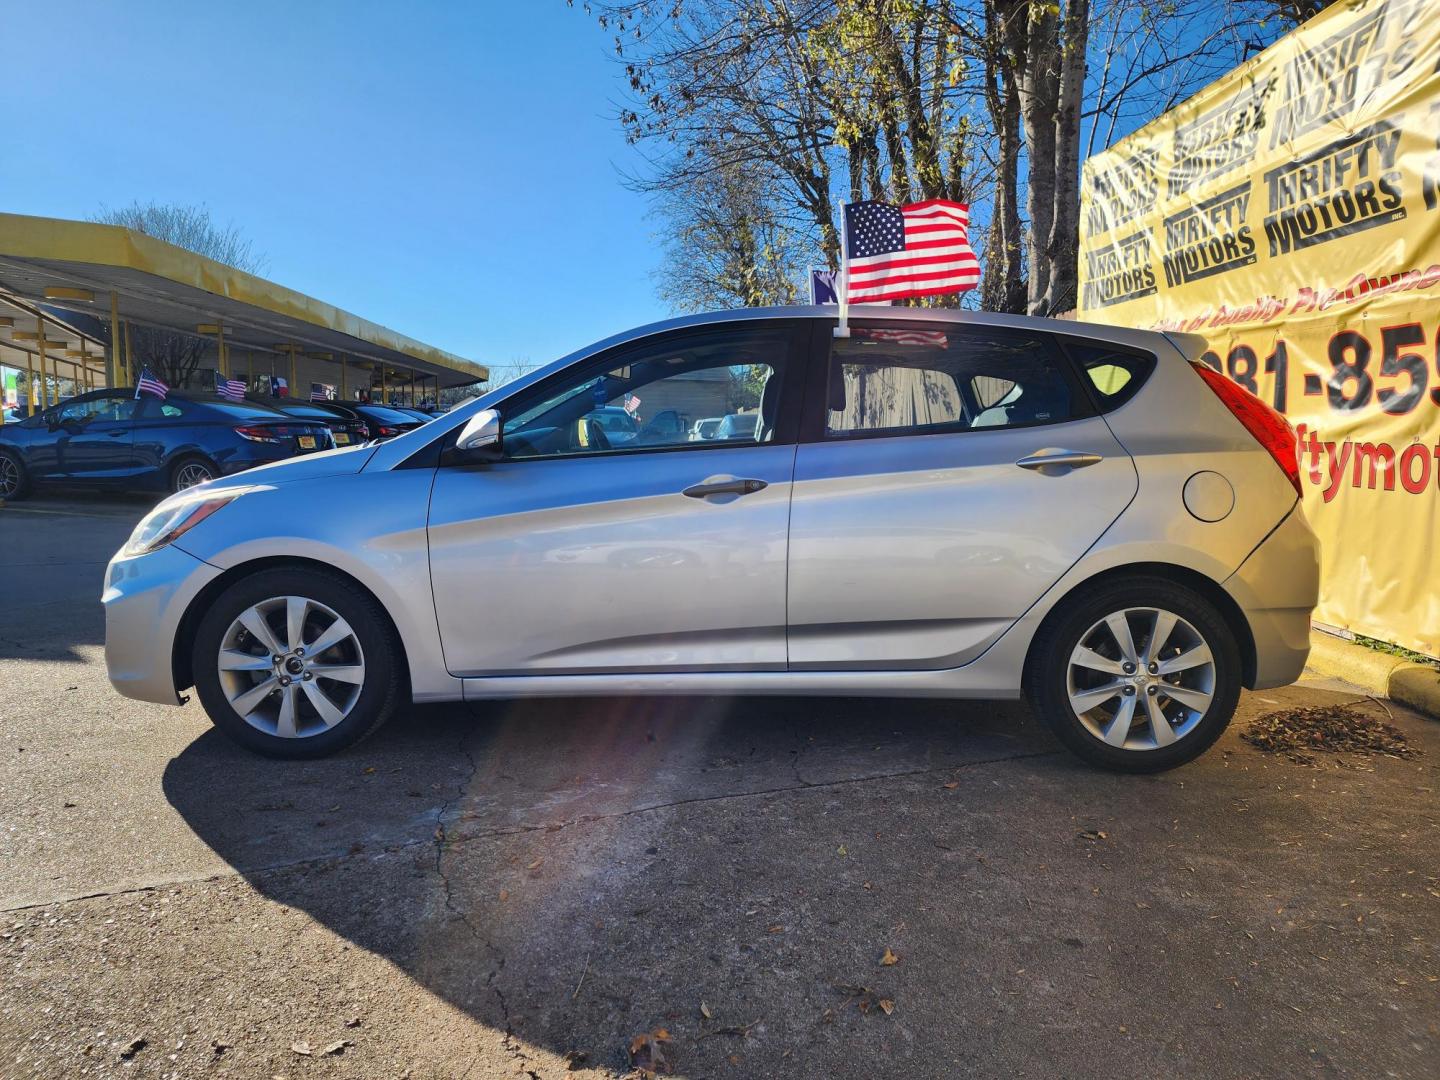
130, 354
220, 348
112, 364
843, 329
29, 382
294, 387
40, 341
344, 388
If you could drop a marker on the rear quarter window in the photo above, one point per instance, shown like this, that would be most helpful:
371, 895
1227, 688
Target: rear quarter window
1112, 373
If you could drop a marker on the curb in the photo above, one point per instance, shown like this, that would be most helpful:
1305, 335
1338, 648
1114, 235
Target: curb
1414, 685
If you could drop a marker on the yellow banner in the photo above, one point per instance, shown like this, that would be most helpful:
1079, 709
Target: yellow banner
1290, 215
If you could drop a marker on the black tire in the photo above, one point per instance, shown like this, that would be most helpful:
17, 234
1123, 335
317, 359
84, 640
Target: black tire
380, 692
14, 484
1047, 682
183, 468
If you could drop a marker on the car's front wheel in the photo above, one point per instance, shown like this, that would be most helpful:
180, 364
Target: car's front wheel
294, 663
14, 482
1137, 675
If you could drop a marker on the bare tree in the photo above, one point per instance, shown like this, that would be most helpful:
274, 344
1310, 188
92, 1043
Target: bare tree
173, 355
829, 101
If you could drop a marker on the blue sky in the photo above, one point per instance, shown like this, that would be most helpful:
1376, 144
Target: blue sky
451, 170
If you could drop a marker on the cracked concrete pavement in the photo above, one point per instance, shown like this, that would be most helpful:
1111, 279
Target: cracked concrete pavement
523, 890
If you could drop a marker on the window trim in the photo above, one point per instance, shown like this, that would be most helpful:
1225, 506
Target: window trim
792, 375
813, 428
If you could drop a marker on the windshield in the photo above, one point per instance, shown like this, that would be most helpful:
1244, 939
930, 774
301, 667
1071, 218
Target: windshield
386, 416
241, 408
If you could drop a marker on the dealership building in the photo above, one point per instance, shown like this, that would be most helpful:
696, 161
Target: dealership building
79, 301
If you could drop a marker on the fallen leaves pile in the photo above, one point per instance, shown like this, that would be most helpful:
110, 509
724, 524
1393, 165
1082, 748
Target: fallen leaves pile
1330, 729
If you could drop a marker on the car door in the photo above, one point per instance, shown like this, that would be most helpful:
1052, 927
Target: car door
948, 474
101, 437
575, 554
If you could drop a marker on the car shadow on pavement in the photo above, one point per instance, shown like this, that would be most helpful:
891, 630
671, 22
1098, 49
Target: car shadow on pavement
622, 844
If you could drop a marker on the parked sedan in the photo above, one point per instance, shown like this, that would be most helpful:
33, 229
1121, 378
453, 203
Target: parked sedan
346, 429
383, 421
989, 506
111, 438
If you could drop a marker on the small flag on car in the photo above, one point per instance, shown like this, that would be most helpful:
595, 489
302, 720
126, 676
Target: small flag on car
150, 384
631, 404
279, 387
229, 389
896, 252
321, 391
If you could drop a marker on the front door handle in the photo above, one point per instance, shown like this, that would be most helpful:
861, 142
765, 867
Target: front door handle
1043, 461
717, 486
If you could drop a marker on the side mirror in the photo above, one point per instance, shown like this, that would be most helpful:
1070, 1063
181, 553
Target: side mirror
481, 432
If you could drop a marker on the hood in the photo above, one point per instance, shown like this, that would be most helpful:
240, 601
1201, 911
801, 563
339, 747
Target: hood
342, 461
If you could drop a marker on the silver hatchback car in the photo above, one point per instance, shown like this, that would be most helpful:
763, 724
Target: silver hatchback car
940, 504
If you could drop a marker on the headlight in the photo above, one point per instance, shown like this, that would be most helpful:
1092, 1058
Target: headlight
175, 517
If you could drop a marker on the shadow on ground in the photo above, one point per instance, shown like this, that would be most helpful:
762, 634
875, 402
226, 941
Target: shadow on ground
574, 873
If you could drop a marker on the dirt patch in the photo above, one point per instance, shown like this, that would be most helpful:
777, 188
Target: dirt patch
1299, 734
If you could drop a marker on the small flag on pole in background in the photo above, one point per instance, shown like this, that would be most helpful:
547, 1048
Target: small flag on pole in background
229, 389
149, 384
895, 252
279, 387
321, 391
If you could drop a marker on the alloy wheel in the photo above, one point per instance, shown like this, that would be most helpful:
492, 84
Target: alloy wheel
191, 474
9, 477
291, 667
1141, 678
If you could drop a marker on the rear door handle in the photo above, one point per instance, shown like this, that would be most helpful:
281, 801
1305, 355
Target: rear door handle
707, 488
1042, 460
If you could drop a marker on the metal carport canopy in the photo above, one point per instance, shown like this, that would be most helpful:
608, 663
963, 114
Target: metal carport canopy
158, 284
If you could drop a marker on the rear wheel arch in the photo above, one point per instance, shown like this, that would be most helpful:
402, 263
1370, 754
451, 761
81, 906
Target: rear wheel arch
1197, 582
180, 661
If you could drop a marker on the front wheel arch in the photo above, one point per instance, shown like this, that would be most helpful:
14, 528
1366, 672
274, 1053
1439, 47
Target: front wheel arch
180, 663
1207, 587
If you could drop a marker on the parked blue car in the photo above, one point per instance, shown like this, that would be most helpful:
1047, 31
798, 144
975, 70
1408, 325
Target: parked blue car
110, 438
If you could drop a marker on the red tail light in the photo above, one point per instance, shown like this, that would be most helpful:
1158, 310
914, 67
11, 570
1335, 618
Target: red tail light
259, 434
1271, 430
385, 432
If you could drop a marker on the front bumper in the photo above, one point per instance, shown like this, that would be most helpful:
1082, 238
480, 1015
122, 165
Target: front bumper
145, 598
1277, 588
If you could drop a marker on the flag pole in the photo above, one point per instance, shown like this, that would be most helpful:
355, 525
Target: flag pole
843, 329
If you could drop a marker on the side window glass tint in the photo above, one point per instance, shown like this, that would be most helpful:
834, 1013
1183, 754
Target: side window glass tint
707, 390
920, 381
1115, 375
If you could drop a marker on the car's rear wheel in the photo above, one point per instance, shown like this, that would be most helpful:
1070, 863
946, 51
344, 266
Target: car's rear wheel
190, 471
1138, 675
14, 481
295, 663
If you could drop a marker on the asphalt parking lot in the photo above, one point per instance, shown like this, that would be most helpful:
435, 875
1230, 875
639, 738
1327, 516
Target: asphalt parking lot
763, 888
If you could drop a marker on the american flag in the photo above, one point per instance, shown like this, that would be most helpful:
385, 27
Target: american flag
631, 404
896, 252
149, 384
229, 389
901, 336
321, 392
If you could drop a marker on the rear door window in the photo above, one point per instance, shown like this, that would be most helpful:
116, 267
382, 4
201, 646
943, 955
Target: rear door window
890, 380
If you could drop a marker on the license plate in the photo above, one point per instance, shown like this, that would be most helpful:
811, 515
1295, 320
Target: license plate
307, 442
341, 439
